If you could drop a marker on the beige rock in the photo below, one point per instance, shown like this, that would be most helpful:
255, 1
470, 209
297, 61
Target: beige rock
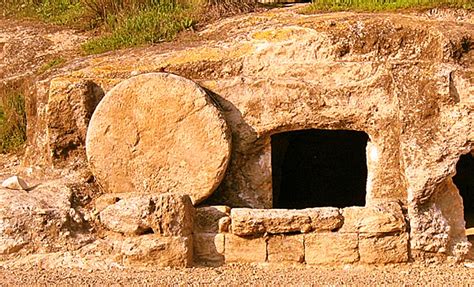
172, 215
331, 248
224, 224
286, 248
385, 249
207, 218
247, 221
209, 248
153, 250
33, 221
70, 107
166, 214
129, 216
384, 217
244, 250
15, 183
158, 133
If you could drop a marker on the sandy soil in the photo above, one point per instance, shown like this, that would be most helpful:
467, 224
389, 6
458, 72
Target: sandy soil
267, 275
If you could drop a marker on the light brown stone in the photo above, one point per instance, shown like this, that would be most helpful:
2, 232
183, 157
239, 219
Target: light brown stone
70, 107
385, 249
167, 214
157, 251
245, 250
246, 221
331, 248
383, 217
15, 183
158, 133
286, 248
207, 218
209, 248
128, 216
172, 215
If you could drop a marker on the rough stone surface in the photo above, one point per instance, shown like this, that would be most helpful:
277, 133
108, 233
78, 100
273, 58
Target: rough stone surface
331, 248
158, 133
165, 214
152, 250
172, 215
38, 220
15, 183
384, 217
247, 221
286, 248
70, 107
208, 218
209, 248
128, 216
385, 249
245, 249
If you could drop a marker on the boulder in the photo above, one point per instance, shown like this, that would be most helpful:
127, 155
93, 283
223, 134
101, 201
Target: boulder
155, 251
158, 133
246, 221
35, 220
15, 183
166, 214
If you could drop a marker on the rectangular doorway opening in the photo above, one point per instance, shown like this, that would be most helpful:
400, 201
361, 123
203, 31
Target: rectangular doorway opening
319, 168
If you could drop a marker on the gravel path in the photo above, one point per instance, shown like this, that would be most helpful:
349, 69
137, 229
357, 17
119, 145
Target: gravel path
268, 275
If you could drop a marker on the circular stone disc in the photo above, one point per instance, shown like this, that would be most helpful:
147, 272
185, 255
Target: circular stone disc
158, 133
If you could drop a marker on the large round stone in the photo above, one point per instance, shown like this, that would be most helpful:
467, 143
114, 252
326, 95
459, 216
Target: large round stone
158, 133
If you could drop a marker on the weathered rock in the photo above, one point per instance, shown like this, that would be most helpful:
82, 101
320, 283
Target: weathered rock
15, 183
172, 215
209, 248
153, 250
158, 133
129, 216
208, 219
331, 248
35, 220
286, 248
385, 217
384, 249
244, 249
247, 221
70, 107
166, 214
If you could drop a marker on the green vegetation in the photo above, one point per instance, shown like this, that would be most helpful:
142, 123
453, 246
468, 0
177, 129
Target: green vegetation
380, 5
51, 64
125, 23
12, 117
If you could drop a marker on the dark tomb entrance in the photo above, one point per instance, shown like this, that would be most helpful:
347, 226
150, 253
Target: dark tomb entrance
464, 181
317, 168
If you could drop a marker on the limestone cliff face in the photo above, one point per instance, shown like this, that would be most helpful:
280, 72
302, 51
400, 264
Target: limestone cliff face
407, 81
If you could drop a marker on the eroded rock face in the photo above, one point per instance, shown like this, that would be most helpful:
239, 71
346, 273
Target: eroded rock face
158, 133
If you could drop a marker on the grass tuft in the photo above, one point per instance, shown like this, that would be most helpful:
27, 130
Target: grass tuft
385, 5
12, 116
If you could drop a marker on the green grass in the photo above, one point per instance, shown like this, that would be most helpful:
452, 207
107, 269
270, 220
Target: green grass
51, 64
12, 117
150, 25
382, 5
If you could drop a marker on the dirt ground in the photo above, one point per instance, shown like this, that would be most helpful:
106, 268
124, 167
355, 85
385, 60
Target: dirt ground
260, 275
